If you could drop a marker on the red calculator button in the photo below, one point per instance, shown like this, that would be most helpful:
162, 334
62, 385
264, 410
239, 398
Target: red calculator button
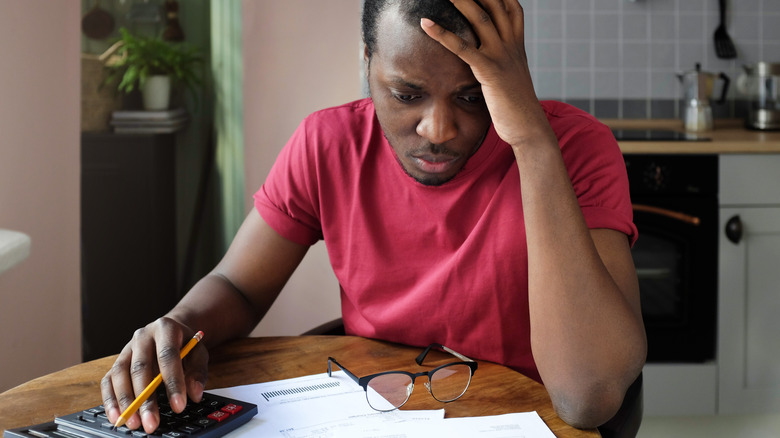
231, 408
218, 416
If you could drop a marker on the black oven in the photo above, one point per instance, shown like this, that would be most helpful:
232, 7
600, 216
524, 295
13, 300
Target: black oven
675, 200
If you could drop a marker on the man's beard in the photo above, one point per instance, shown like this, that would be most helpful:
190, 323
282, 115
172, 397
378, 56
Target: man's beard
428, 180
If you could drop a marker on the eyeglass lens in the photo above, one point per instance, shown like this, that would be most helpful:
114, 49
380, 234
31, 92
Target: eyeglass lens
390, 391
449, 383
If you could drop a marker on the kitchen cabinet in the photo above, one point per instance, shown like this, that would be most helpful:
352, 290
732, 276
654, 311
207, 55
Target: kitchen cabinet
749, 285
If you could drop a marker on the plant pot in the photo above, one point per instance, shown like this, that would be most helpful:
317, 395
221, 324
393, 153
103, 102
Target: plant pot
157, 93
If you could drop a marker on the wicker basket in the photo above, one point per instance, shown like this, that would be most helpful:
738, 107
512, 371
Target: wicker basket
97, 101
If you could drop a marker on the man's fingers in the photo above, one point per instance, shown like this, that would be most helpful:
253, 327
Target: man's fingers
143, 369
169, 345
494, 16
117, 388
197, 372
150, 414
109, 398
516, 15
452, 42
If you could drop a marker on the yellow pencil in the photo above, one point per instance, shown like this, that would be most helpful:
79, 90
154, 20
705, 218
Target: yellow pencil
153, 385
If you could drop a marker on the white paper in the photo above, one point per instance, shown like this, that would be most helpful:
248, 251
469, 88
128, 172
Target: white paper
313, 406
517, 425
319, 406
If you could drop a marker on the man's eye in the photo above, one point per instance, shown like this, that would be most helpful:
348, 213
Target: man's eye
406, 98
471, 99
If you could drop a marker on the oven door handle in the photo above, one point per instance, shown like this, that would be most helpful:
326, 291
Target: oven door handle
676, 215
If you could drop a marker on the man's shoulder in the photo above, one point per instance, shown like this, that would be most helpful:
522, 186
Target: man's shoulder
356, 110
563, 112
565, 118
334, 131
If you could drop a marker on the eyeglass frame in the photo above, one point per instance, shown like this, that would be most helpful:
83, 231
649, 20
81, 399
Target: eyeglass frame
363, 381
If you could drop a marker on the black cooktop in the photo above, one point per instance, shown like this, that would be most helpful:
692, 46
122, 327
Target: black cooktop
655, 135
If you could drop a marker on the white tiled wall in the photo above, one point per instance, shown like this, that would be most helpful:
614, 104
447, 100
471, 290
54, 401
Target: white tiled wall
619, 49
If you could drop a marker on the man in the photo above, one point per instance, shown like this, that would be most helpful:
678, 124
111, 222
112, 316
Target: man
456, 209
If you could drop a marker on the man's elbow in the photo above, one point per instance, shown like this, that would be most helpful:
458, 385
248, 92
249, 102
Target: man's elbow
588, 407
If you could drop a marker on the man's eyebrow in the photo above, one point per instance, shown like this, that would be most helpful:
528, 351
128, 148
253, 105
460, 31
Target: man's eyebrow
476, 86
405, 83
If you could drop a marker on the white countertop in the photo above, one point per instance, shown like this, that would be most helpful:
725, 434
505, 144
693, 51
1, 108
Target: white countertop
14, 247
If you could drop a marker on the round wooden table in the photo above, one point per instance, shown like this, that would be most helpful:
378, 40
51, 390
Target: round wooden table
495, 389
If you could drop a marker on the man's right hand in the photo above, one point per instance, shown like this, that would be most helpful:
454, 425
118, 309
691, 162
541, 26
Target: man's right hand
226, 304
155, 348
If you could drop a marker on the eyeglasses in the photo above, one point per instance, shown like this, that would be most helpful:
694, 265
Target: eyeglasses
390, 390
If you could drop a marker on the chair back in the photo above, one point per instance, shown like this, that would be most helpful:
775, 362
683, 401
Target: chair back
626, 422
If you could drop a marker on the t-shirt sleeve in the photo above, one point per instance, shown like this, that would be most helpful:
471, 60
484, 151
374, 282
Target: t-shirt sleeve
598, 175
288, 199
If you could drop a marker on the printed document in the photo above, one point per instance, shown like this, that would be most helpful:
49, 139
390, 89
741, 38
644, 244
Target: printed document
319, 406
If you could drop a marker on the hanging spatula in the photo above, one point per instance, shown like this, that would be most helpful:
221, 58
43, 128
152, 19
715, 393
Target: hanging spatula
724, 47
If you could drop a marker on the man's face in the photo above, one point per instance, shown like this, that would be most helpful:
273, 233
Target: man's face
427, 100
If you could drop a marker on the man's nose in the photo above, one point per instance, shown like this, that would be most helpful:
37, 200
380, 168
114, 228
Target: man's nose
438, 124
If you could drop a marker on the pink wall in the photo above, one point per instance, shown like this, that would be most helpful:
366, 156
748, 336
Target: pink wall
39, 186
299, 56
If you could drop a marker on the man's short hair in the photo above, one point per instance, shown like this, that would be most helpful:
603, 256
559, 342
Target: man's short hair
440, 11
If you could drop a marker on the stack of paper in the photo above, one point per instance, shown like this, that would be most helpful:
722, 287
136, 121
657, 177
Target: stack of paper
319, 406
149, 122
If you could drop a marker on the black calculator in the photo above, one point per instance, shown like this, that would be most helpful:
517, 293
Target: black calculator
212, 417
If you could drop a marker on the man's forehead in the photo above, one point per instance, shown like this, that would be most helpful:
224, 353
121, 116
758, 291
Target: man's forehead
396, 24
399, 13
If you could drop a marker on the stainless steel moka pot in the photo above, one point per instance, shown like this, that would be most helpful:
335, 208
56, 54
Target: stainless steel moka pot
761, 83
697, 91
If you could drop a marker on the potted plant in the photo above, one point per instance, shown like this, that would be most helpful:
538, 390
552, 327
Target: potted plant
153, 66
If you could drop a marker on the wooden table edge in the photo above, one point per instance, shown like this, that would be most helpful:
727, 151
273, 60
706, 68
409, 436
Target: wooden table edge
78, 387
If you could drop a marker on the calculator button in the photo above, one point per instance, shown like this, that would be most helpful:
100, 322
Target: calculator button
231, 408
201, 410
94, 412
42, 433
218, 416
211, 405
171, 425
174, 434
187, 417
204, 422
163, 428
189, 428
139, 434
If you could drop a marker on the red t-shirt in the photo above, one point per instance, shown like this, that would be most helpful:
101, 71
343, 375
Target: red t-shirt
420, 264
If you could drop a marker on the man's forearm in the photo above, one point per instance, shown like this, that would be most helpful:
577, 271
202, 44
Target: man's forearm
215, 306
587, 339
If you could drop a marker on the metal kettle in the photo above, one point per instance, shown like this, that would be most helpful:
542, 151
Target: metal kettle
761, 83
698, 87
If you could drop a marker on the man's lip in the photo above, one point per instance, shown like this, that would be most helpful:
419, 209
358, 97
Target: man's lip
435, 158
430, 163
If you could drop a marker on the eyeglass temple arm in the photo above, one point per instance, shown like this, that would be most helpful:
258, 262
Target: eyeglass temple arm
346, 371
422, 355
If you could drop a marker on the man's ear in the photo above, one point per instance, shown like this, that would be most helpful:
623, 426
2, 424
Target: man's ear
366, 56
